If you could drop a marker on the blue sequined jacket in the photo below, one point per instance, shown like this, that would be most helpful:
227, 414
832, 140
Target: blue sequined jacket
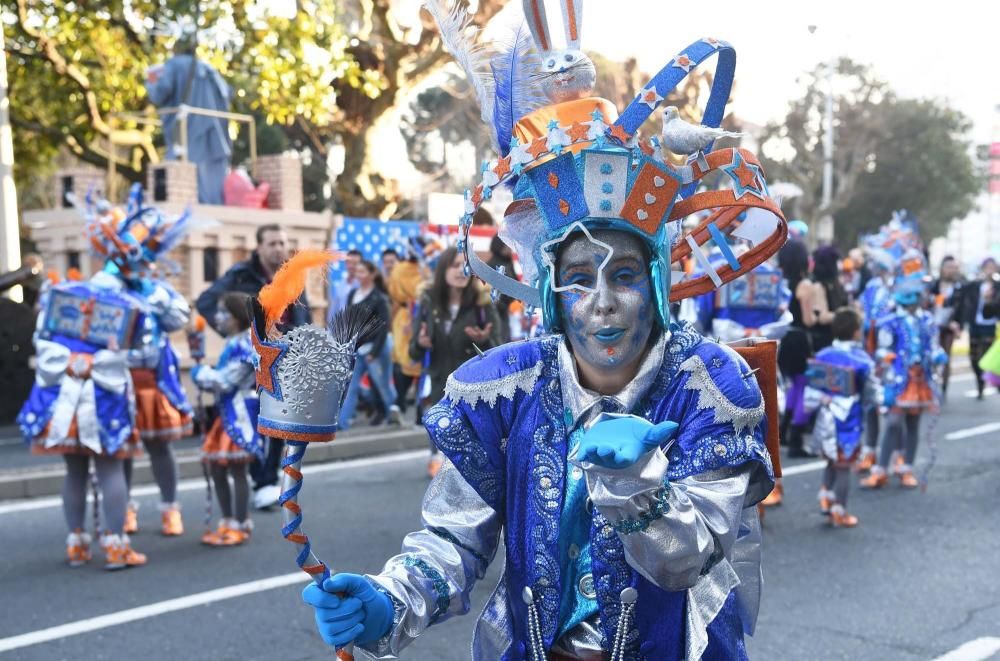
505, 426
907, 339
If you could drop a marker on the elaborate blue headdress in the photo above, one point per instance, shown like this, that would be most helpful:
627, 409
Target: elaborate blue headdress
581, 167
133, 239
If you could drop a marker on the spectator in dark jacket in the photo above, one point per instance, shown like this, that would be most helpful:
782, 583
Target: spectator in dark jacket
248, 278
375, 356
978, 305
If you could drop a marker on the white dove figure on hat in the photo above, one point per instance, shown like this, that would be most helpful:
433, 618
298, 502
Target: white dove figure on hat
682, 137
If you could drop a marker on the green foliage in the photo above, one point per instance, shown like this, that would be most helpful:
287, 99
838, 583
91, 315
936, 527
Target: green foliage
922, 165
889, 153
73, 66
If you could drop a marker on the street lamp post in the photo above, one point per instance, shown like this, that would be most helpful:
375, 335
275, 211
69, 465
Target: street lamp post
10, 236
824, 230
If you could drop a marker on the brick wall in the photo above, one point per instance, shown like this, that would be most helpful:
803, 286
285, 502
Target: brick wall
181, 182
84, 177
284, 174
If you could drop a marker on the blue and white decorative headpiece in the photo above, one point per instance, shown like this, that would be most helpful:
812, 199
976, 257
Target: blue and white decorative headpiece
580, 166
134, 239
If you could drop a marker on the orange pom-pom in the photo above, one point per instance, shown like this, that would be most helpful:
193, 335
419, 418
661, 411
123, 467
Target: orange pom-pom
199, 323
74, 274
53, 277
289, 283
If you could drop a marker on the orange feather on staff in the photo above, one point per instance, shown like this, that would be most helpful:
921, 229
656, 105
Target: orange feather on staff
289, 283
199, 323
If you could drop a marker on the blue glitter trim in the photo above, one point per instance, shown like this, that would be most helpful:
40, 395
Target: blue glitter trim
720, 451
641, 523
448, 537
439, 584
606, 187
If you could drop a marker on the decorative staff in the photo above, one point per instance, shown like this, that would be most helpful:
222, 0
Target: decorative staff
302, 377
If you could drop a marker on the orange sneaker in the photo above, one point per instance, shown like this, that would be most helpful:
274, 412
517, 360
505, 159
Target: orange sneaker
118, 553
866, 461
908, 480
825, 500
212, 537
171, 523
78, 548
131, 518
433, 466
841, 519
876, 480
776, 496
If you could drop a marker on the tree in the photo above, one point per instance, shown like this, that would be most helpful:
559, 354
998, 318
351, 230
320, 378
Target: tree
74, 66
888, 154
793, 149
923, 165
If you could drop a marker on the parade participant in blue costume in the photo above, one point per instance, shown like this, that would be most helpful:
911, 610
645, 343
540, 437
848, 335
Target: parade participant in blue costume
619, 457
842, 386
910, 355
134, 244
754, 305
233, 441
136, 255
81, 403
876, 302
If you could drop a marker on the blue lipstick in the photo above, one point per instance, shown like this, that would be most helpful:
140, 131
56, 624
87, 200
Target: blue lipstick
609, 335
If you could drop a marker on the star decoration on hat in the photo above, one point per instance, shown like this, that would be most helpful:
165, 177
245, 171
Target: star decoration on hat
618, 133
684, 62
548, 250
650, 97
745, 176
265, 359
578, 132
537, 148
714, 43
502, 167
596, 125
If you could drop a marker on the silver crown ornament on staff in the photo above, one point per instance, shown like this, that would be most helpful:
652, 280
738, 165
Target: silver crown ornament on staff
302, 377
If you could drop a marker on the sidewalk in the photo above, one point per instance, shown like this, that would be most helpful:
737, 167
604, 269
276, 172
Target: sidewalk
23, 475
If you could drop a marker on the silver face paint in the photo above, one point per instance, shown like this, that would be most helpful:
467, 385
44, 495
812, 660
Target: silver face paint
610, 326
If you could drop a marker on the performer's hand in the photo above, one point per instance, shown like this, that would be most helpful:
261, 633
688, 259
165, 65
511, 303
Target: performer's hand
478, 335
349, 609
423, 339
619, 442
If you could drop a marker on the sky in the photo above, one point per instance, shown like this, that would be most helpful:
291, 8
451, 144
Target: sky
952, 52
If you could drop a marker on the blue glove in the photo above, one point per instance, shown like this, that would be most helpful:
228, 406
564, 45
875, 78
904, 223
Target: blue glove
619, 442
194, 372
356, 613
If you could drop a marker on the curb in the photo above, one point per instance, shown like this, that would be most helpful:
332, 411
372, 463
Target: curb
49, 481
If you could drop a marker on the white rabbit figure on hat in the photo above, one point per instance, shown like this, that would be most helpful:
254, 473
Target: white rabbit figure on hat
565, 74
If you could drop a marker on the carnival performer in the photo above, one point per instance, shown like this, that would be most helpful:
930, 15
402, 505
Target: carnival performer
232, 442
754, 305
619, 457
81, 402
163, 413
910, 354
876, 302
842, 386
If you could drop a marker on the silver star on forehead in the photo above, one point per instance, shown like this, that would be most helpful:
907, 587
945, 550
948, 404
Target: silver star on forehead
550, 265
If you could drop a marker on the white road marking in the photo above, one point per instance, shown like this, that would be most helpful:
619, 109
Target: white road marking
195, 483
972, 394
972, 431
150, 610
974, 650
802, 468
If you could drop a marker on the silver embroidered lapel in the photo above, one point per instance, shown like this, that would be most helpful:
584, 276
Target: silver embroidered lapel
709, 396
489, 391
